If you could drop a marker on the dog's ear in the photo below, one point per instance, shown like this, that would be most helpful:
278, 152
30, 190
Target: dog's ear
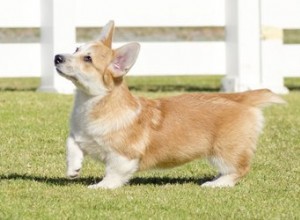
107, 34
124, 58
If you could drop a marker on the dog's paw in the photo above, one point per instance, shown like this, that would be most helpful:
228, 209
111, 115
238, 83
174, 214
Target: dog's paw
73, 174
209, 184
104, 185
95, 186
216, 183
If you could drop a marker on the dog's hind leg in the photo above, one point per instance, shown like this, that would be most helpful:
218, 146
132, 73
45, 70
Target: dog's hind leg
230, 172
74, 158
118, 171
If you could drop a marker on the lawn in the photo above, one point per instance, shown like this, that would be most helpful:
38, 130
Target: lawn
33, 129
208, 83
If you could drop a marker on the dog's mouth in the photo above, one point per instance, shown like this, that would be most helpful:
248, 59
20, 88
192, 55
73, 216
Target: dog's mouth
59, 71
72, 78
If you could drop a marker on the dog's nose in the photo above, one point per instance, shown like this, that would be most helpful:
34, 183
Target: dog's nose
59, 59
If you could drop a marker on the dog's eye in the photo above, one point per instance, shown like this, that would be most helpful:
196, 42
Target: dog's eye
87, 59
77, 49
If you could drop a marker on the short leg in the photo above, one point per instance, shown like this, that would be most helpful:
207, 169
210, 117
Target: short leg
118, 171
74, 158
229, 173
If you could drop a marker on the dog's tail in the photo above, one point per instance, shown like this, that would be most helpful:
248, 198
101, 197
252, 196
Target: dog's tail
256, 98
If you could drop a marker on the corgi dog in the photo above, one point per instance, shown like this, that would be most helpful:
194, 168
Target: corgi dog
130, 134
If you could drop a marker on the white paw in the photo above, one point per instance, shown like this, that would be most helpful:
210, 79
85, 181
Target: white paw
218, 183
104, 185
73, 174
209, 184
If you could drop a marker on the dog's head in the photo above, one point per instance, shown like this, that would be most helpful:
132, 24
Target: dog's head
95, 67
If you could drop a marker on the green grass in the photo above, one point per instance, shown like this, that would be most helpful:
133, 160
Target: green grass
33, 129
174, 83
148, 83
19, 84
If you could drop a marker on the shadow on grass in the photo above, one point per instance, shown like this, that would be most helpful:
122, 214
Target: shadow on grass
61, 181
168, 180
13, 89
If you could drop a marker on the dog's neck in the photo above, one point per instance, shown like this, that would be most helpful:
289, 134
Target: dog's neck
116, 100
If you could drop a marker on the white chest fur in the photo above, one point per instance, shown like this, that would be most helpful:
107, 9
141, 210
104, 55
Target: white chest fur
89, 133
81, 126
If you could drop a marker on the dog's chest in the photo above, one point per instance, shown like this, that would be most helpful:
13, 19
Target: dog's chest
91, 147
86, 135
99, 135
88, 142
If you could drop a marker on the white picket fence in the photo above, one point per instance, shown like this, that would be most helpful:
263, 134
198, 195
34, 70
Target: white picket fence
156, 58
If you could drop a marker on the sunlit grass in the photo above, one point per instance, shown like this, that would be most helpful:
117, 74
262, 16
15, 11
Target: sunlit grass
148, 83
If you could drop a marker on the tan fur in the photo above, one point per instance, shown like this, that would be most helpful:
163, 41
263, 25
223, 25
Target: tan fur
168, 132
179, 129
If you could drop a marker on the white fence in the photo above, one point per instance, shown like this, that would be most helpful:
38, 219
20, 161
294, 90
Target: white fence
156, 58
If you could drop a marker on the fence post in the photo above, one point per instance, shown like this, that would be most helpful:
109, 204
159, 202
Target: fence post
57, 36
250, 63
243, 56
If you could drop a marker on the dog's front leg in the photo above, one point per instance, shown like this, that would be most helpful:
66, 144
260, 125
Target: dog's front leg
74, 158
118, 171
